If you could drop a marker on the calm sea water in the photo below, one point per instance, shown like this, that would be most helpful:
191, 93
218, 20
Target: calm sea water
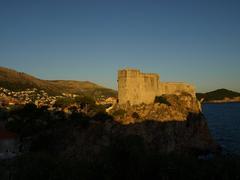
224, 124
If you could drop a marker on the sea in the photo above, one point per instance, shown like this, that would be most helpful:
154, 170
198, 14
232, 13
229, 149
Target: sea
224, 124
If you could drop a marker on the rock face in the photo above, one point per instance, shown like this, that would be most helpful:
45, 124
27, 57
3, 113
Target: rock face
178, 127
173, 108
175, 125
182, 137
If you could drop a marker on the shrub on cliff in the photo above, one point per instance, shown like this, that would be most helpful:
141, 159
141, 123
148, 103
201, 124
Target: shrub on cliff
89, 106
119, 112
135, 115
161, 100
29, 120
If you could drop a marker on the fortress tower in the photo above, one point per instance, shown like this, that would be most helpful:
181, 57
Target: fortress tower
135, 87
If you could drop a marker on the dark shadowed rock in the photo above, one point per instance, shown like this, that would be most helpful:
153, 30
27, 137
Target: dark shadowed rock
156, 128
182, 137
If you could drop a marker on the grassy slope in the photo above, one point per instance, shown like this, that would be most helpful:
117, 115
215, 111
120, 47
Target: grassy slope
16, 81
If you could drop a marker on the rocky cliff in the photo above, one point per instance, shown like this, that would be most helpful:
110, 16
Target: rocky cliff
189, 137
166, 108
174, 126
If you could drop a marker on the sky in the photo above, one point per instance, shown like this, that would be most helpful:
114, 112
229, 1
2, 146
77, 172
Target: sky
195, 41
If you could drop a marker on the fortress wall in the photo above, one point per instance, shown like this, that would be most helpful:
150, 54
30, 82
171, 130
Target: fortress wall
128, 86
123, 89
149, 88
137, 87
176, 88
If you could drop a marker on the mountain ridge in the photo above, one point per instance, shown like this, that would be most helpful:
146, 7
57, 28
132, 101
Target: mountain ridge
219, 96
14, 80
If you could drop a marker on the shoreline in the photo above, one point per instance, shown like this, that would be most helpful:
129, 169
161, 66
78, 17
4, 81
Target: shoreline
233, 102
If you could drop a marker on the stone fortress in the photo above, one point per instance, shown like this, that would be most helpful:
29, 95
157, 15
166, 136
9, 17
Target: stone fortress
135, 87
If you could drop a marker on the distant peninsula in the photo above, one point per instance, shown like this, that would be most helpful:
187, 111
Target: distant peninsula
219, 96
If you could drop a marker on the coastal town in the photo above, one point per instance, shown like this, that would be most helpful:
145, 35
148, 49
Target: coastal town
38, 97
41, 98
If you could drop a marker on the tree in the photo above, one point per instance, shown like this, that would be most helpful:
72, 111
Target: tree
85, 103
63, 102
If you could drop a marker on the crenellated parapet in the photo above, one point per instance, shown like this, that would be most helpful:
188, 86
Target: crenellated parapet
176, 88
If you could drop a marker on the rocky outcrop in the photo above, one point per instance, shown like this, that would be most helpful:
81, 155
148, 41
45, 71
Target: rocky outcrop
181, 137
173, 125
178, 127
171, 108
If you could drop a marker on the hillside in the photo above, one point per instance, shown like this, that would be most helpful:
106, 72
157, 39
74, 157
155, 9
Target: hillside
219, 96
14, 80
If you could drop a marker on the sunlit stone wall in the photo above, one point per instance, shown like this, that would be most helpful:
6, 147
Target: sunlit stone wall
135, 87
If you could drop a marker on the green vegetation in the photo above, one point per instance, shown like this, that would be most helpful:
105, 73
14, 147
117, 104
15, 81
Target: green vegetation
89, 106
219, 94
161, 100
85, 101
28, 120
63, 102
119, 112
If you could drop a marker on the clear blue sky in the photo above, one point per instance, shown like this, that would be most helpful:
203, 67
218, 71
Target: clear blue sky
197, 41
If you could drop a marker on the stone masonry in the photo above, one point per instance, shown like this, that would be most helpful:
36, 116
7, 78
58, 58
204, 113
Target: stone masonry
135, 87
